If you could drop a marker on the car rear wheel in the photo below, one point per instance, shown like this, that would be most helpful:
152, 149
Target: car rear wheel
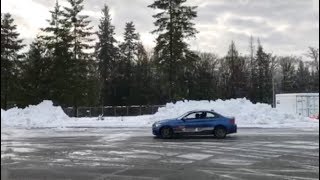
166, 133
220, 132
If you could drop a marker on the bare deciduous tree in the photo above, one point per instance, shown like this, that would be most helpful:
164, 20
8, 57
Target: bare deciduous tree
313, 53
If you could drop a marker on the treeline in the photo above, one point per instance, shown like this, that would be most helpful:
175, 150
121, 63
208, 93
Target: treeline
65, 63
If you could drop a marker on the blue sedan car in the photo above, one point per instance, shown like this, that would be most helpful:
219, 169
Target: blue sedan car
196, 122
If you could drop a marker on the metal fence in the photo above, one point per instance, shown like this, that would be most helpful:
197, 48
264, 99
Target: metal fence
111, 111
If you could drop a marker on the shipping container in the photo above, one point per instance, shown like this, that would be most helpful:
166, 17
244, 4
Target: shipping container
304, 104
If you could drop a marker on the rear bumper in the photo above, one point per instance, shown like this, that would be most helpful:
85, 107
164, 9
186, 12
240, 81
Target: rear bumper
233, 129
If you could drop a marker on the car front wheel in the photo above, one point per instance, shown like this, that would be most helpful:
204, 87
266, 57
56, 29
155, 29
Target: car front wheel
220, 132
166, 133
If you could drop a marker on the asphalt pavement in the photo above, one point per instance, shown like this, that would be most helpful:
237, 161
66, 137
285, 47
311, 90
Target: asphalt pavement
129, 154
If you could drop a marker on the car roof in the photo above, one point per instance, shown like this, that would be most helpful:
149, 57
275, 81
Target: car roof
195, 111
203, 110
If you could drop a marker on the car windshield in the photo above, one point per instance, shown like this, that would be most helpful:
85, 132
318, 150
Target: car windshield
183, 115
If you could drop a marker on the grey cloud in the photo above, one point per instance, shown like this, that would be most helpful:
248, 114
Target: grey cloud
290, 10
284, 26
47, 3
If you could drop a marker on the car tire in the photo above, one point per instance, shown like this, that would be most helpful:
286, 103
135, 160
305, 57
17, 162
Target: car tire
166, 133
220, 132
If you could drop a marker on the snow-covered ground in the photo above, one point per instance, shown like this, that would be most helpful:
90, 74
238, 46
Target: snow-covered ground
246, 113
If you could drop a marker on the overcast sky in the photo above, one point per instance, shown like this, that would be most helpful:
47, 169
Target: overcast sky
285, 27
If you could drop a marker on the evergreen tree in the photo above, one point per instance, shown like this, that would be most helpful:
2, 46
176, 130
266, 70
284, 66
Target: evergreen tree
36, 73
126, 63
314, 81
130, 45
10, 47
203, 83
263, 77
83, 65
237, 75
303, 78
57, 39
288, 75
106, 53
141, 90
174, 25
81, 31
252, 66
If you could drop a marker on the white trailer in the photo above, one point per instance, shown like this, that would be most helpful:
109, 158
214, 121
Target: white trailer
304, 104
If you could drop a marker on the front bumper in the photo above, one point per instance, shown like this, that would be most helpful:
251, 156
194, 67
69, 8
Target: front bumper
156, 131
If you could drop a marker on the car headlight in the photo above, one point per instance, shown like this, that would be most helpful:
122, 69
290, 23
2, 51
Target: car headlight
157, 125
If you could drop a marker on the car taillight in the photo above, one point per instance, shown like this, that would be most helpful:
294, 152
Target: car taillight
232, 121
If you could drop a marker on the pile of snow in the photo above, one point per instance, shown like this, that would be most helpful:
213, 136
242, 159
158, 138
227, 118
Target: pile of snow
246, 113
41, 115
114, 122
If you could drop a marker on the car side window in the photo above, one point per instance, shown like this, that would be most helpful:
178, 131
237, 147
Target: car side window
211, 115
192, 116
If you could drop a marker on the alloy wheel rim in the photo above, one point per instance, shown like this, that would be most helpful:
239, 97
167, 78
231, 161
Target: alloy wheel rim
165, 132
220, 132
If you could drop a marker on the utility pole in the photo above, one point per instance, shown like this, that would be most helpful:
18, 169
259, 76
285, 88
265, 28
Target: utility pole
273, 92
273, 66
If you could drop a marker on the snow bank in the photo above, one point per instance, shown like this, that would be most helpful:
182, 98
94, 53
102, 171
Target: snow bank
114, 122
246, 113
41, 115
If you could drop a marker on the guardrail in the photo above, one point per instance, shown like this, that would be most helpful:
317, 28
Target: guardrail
111, 111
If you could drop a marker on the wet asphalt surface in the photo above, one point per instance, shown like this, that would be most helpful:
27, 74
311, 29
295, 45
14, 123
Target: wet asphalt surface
129, 154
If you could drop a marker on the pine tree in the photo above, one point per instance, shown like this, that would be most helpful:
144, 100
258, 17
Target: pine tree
57, 34
141, 90
252, 66
263, 77
36, 73
130, 45
203, 83
82, 63
106, 53
81, 31
288, 75
57, 39
126, 63
174, 24
237, 74
10, 47
303, 78
314, 81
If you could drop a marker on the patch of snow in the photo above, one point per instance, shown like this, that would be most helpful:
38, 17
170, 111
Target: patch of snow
235, 162
195, 156
7, 155
143, 156
22, 149
60, 160
300, 142
292, 146
119, 152
176, 161
81, 153
245, 112
41, 115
